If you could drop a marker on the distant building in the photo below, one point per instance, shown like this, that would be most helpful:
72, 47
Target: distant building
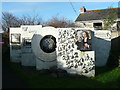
95, 18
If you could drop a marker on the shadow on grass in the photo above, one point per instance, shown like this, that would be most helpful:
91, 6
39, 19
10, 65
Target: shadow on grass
43, 79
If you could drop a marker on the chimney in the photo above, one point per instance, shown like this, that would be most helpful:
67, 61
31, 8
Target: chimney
82, 9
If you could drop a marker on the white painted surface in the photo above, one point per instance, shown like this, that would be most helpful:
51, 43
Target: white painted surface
101, 43
72, 60
15, 54
40, 64
28, 31
23, 55
43, 60
27, 57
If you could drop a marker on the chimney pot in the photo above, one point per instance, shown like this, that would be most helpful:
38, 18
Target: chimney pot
82, 9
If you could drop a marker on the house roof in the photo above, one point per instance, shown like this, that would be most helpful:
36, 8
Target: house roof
98, 14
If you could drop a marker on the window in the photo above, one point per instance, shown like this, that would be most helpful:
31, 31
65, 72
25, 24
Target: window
15, 38
97, 26
26, 42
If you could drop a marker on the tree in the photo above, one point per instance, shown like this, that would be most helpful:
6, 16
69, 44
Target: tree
9, 20
59, 22
30, 20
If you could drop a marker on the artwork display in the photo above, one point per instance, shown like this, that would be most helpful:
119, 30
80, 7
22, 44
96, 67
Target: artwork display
83, 40
70, 56
15, 38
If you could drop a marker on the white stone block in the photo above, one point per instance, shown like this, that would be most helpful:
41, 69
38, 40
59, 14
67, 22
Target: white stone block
40, 64
44, 60
15, 54
28, 59
24, 32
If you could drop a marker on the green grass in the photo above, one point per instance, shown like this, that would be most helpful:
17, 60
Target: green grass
106, 77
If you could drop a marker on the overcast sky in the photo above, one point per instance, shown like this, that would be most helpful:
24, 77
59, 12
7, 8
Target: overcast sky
48, 9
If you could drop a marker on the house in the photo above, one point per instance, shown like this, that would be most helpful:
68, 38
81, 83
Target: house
96, 18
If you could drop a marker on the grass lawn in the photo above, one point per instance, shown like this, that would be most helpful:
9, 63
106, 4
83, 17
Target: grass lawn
106, 77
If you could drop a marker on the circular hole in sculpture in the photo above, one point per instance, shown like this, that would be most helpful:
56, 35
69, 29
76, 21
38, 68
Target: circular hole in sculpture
48, 43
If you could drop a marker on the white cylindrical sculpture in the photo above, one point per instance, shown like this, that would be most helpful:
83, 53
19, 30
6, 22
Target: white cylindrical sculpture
43, 47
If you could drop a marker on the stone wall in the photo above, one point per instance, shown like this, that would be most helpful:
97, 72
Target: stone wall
84, 25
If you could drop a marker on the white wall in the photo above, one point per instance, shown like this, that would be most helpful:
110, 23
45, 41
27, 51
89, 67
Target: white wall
22, 54
101, 44
15, 54
69, 58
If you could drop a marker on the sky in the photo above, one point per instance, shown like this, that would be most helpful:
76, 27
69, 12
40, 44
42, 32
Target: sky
46, 10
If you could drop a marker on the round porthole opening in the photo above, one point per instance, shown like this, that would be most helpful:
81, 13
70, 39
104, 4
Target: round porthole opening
48, 43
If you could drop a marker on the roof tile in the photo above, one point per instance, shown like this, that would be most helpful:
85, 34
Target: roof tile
98, 14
